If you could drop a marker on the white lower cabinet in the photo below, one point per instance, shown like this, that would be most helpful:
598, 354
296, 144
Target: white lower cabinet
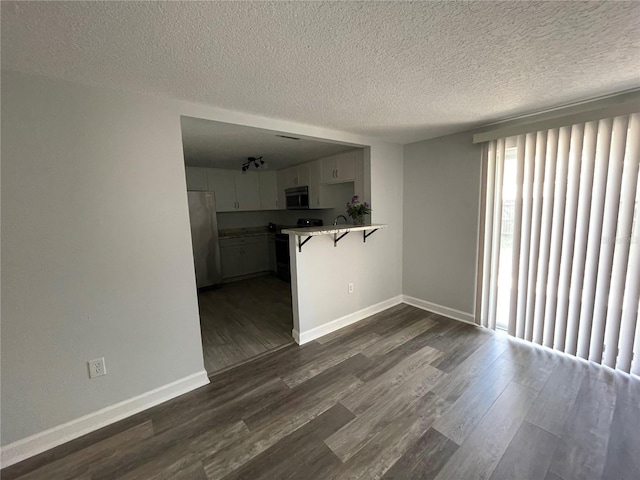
231, 258
245, 256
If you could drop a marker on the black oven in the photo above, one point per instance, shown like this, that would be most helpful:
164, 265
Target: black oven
297, 198
283, 261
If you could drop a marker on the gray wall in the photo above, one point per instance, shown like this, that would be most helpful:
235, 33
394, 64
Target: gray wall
440, 234
96, 252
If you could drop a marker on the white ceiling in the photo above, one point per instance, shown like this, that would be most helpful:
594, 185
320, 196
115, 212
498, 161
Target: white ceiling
403, 71
224, 145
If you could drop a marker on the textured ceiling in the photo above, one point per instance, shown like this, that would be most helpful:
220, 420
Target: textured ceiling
403, 71
224, 145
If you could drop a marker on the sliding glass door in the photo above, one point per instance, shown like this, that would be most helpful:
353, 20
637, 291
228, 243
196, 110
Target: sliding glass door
561, 247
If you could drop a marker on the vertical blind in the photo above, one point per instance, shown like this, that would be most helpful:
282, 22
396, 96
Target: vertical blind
561, 259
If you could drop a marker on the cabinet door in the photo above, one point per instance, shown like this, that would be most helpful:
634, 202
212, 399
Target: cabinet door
328, 166
256, 256
282, 184
302, 174
292, 177
223, 183
232, 261
196, 179
268, 190
317, 197
346, 167
247, 191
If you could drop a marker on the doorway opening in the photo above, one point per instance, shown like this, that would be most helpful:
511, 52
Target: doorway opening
241, 182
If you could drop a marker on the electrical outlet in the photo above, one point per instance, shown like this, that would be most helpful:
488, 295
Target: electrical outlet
351, 288
97, 368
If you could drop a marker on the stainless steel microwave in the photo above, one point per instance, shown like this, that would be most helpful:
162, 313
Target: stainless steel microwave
297, 198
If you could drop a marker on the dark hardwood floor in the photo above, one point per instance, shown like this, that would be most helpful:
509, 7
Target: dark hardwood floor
243, 319
402, 395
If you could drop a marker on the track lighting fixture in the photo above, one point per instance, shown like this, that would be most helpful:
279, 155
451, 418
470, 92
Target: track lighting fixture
256, 162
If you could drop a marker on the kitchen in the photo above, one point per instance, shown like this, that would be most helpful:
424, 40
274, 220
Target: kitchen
244, 186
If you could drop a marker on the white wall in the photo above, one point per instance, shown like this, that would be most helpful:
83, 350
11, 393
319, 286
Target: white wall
322, 272
96, 257
441, 207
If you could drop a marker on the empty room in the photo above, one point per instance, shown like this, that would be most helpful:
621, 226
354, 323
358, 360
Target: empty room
320, 240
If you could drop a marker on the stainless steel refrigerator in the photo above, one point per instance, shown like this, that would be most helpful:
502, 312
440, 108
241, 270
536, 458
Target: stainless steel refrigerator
204, 237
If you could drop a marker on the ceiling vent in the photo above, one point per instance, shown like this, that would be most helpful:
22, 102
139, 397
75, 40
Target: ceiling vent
286, 136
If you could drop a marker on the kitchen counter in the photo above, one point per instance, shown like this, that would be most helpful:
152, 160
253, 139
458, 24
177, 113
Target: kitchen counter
331, 229
338, 232
244, 232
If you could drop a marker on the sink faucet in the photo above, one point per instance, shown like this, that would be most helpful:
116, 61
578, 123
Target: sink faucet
335, 222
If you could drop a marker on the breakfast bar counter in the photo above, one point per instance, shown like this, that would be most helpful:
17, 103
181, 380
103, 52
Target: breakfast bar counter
338, 232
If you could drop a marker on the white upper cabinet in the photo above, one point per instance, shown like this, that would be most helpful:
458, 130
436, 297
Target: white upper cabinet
297, 176
302, 174
268, 190
328, 169
196, 179
223, 183
317, 194
234, 190
247, 191
282, 177
291, 177
338, 168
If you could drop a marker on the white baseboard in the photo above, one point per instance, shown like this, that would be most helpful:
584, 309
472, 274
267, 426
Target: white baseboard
310, 335
43, 441
439, 309
296, 335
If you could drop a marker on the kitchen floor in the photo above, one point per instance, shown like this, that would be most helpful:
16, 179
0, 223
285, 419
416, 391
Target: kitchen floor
244, 319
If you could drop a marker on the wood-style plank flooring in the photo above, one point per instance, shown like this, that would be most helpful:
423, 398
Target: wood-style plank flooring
404, 394
243, 319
